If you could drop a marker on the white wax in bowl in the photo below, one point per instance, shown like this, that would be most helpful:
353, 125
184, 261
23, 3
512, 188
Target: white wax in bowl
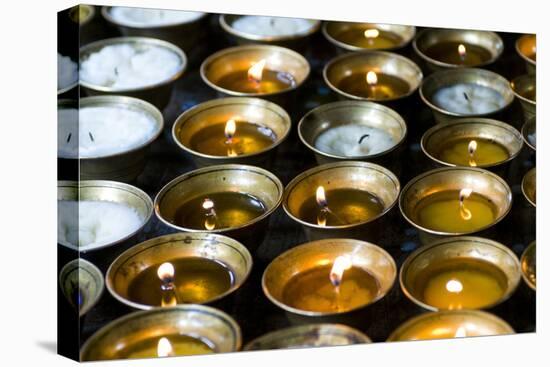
99, 222
344, 141
102, 131
126, 66
271, 26
67, 72
141, 17
468, 99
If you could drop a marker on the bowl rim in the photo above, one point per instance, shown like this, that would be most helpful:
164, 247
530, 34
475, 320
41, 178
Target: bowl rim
394, 336
524, 128
530, 247
449, 242
227, 319
529, 173
197, 172
517, 94
359, 104
328, 166
79, 185
422, 176
518, 49
301, 312
349, 47
422, 33
105, 12
301, 329
113, 100
93, 269
228, 27
206, 63
220, 102
487, 73
366, 53
100, 44
468, 122
170, 238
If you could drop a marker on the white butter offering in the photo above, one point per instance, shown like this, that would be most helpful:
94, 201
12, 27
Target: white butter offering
468, 99
272, 26
354, 140
99, 223
141, 17
67, 72
102, 131
126, 66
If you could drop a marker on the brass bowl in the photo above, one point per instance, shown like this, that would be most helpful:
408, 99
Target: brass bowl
378, 61
431, 325
333, 30
82, 14
203, 322
255, 181
370, 177
83, 279
151, 253
307, 256
123, 166
446, 78
104, 191
158, 94
459, 248
522, 86
183, 34
308, 336
529, 266
529, 186
526, 46
253, 110
479, 180
529, 128
490, 41
436, 138
278, 58
330, 115
294, 41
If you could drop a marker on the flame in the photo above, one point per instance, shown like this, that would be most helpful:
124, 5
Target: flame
230, 128
256, 71
372, 33
460, 332
472, 147
461, 51
372, 78
341, 264
320, 196
164, 348
463, 195
207, 204
454, 286
166, 272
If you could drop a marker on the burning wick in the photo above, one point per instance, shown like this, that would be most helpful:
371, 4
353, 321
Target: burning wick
324, 209
166, 273
164, 348
462, 51
230, 128
210, 221
463, 195
454, 286
370, 34
461, 332
256, 71
341, 264
472, 147
372, 78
